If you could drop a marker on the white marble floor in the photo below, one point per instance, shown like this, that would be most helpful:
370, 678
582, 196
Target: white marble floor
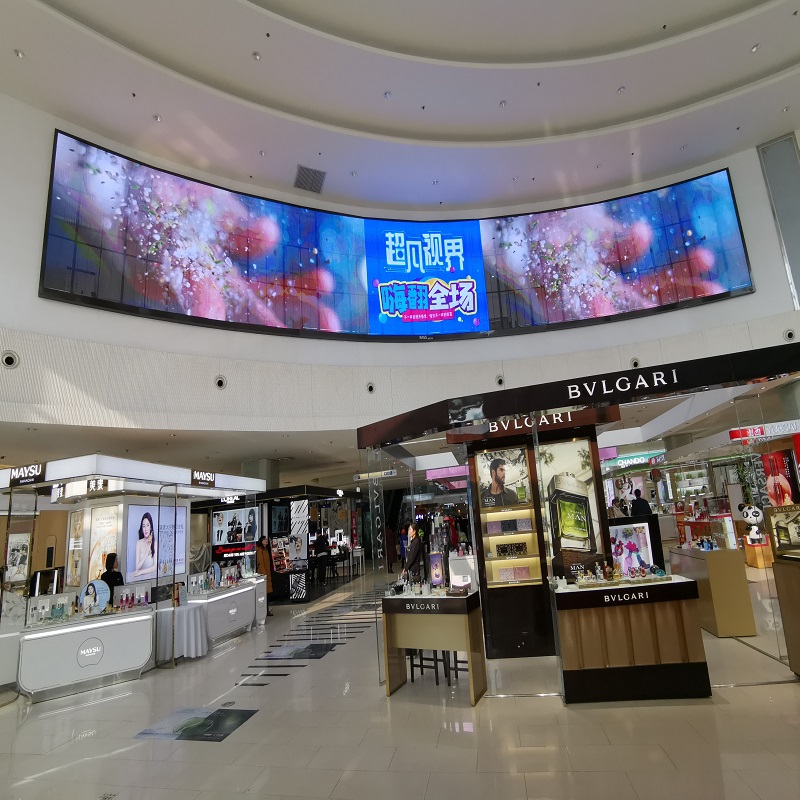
325, 729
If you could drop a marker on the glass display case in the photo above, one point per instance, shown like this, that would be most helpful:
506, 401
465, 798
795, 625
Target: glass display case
511, 548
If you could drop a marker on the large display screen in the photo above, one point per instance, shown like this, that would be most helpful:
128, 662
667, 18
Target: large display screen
125, 236
149, 552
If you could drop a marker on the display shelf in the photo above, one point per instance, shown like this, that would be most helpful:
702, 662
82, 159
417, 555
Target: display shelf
529, 563
507, 533
512, 558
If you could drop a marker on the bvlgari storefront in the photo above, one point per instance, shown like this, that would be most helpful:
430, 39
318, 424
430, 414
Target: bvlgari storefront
558, 575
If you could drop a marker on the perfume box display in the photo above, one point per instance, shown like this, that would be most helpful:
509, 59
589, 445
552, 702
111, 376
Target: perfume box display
505, 574
512, 549
524, 524
509, 526
522, 573
494, 527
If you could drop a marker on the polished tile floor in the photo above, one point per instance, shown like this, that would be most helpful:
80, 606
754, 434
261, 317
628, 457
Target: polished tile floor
324, 729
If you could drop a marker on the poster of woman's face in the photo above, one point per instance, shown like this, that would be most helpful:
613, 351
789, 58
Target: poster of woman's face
504, 479
154, 542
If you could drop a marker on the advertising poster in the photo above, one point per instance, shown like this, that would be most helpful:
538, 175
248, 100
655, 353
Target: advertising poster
94, 597
280, 553
437, 569
149, 553
783, 524
18, 557
198, 724
571, 499
630, 547
279, 522
75, 549
274, 265
234, 533
102, 538
425, 278
504, 479
781, 476
298, 538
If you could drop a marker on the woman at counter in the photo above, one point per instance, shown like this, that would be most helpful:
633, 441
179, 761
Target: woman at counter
145, 549
112, 576
263, 564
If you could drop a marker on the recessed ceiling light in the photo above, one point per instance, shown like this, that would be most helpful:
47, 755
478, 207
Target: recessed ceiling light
597, 166
755, 47
261, 153
353, 173
19, 53
503, 103
515, 179
620, 90
785, 109
157, 117
256, 55
434, 182
285, 435
387, 94
683, 147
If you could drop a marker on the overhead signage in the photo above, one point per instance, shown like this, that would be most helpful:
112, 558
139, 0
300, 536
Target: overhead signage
26, 475
661, 458
767, 431
230, 499
367, 476
554, 420
203, 478
631, 460
597, 389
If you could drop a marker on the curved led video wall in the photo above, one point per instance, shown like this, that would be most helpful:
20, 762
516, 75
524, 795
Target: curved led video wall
125, 236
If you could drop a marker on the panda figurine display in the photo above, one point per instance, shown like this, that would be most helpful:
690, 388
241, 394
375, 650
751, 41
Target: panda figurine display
753, 517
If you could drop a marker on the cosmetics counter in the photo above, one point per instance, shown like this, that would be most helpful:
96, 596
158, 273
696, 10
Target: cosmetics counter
629, 640
62, 631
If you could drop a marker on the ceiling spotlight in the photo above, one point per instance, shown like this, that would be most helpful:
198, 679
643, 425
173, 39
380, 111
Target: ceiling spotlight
597, 166
503, 103
256, 55
515, 179
157, 117
785, 109
683, 147
387, 94
434, 182
261, 153
353, 173
755, 47
19, 53
620, 90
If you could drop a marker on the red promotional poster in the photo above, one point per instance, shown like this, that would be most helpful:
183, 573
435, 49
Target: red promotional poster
782, 487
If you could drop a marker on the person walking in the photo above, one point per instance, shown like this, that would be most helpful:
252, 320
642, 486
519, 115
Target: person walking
263, 565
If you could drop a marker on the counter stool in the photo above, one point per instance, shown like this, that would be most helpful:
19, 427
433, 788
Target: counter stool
433, 660
457, 665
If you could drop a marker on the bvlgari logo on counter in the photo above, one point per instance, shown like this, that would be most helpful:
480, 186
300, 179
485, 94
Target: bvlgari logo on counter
30, 473
90, 652
626, 597
201, 478
421, 605
624, 383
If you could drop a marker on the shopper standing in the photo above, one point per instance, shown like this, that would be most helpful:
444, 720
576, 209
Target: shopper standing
263, 566
640, 507
403, 546
321, 552
413, 553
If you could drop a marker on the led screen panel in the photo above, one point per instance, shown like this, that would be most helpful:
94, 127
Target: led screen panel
125, 236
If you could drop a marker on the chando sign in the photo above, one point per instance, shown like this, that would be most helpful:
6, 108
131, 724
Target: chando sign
90, 653
24, 476
631, 460
201, 478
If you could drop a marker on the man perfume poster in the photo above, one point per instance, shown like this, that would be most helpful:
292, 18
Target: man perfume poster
504, 479
571, 496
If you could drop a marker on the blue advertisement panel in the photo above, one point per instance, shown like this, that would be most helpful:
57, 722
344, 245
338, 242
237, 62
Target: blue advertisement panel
124, 236
425, 279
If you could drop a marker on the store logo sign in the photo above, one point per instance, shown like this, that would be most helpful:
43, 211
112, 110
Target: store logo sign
22, 476
621, 385
627, 597
90, 653
422, 606
232, 610
200, 478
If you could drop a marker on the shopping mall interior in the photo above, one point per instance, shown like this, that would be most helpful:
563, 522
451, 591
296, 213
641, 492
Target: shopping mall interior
400, 400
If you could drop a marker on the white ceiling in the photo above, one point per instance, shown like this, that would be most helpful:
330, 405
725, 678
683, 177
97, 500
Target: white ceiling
694, 91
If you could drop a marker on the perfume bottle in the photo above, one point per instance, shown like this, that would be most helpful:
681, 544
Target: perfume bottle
570, 514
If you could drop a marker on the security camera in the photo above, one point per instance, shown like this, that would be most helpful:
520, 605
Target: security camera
789, 334
499, 380
636, 363
371, 387
9, 359
220, 381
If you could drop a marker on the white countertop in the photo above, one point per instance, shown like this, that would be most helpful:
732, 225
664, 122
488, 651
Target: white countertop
604, 587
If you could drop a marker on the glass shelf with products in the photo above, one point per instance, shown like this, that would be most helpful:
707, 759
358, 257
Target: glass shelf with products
510, 535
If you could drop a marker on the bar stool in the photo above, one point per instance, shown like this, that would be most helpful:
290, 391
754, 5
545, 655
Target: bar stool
430, 661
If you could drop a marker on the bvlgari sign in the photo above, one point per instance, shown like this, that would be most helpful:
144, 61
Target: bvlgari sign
596, 389
24, 476
202, 478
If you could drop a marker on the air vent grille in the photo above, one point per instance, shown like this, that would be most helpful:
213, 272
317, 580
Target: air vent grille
310, 180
